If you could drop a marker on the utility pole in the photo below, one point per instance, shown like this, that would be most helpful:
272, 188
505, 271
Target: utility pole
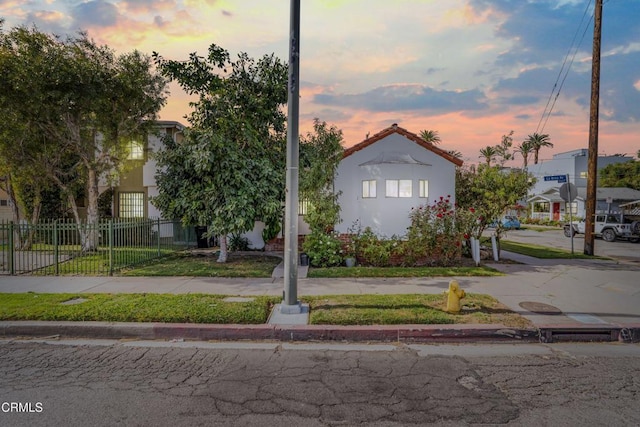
290, 303
592, 164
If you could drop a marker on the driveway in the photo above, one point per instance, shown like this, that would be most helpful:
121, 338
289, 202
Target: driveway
555, 238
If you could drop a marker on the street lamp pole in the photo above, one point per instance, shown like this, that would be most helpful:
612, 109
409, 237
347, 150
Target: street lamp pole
290, 303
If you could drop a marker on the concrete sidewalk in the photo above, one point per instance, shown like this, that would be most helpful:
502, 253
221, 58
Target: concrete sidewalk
555, 295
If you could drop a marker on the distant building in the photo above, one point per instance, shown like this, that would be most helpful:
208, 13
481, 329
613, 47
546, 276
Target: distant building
544, 198
572, 163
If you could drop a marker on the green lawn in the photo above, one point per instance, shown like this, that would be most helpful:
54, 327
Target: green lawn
186, 264
408, 309
544, 252
213, 309
190, 308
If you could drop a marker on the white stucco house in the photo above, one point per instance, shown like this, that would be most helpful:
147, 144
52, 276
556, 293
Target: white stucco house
387, 174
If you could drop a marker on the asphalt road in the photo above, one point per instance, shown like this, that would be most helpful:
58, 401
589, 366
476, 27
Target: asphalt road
190, 384
555, 238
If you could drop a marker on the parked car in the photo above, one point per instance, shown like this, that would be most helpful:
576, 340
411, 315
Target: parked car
508, 222
609, 227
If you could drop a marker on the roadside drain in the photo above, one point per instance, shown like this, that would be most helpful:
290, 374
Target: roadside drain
540, 308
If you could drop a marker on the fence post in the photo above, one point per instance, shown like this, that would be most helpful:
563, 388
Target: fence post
12, 250
56, 248
110, 246
158, 237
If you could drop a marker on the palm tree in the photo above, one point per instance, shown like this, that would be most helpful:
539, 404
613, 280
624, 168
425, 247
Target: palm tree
489, 153
455, 153
431, 136
538, 141
525, 148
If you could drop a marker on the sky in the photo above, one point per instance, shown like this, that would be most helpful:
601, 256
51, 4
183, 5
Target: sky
472, 70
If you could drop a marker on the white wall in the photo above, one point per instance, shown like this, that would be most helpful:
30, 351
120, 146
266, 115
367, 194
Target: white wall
389, 216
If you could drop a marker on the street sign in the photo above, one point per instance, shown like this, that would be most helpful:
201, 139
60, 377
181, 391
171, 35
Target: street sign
568, 192
559, 178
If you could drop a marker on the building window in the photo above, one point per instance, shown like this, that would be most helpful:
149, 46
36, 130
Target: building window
4, 202
369, 189
398, 188
571, 208
136, 150
583, 174
131, 205
541, 207
303, 206
424, 188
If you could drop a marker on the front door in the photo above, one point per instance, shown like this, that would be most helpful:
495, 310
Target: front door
556, 211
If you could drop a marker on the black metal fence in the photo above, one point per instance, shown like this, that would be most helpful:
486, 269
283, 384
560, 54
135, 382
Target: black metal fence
64, 247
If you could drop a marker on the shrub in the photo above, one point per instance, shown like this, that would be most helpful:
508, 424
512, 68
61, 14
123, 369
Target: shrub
374, 251
437, 232
238, 243
323, 249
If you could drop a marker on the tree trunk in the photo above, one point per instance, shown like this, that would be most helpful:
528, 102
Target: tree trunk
223, 248
93, 216
15, 212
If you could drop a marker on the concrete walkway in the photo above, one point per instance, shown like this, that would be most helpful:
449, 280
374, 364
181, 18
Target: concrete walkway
589, 294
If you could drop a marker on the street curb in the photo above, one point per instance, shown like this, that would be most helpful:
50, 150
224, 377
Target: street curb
473, 333
627, 333
214, 332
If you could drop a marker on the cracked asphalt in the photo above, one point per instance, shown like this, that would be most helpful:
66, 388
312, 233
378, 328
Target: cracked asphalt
155, 384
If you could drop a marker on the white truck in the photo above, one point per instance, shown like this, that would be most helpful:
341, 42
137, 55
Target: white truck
609, 227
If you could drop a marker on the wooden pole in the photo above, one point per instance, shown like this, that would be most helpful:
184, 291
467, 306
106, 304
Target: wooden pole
592, 163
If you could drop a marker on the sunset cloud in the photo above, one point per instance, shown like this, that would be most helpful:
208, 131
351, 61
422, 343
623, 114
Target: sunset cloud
471, 69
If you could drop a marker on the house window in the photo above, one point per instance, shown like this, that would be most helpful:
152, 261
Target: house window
571, 208
131, 205
424, 188
369, 189
398, 188
4, 202
136, 150
303, 206
583, 174
541, 207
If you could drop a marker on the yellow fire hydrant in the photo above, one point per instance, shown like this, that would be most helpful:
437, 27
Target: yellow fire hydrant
455, 294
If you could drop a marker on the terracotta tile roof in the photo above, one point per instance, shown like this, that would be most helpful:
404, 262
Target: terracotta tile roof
409, 135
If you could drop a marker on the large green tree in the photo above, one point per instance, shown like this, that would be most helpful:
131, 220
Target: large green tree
625, 174
230, 169
490, 191
81, 104
320, 154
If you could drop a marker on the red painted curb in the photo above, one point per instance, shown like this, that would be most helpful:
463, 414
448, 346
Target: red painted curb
205, 332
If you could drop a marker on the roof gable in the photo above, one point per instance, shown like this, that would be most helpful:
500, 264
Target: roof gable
409, 135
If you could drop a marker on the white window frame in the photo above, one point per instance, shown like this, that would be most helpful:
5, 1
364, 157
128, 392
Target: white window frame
571, 208
399, 188
131, 204
423, 185
303, 206
136, 150
369, 189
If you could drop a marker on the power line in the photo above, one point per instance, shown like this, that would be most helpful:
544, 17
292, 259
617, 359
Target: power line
574, 47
